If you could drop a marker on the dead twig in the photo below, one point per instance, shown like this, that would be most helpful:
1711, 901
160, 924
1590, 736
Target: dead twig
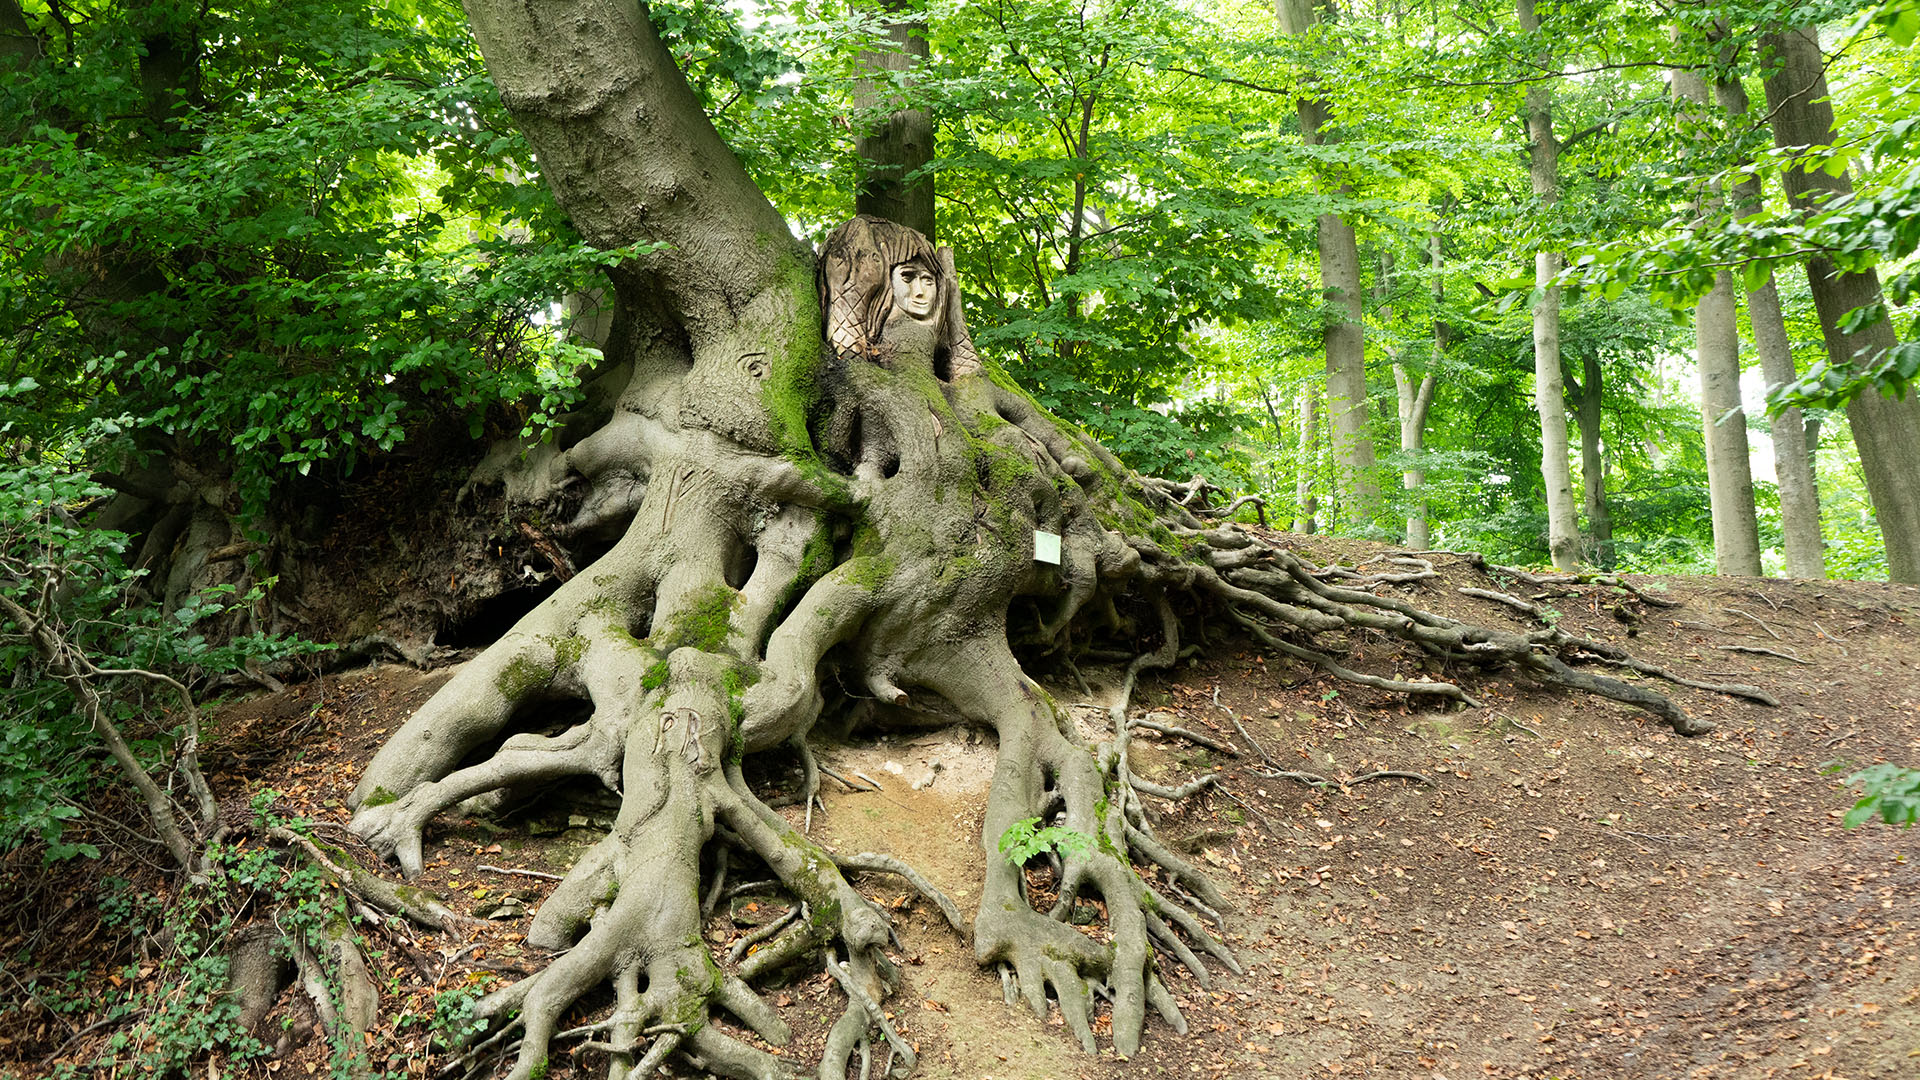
1184, 733
850, 785
1514, 602
542, 875
1759, 620
1394, 774
1522, 727
1758, 651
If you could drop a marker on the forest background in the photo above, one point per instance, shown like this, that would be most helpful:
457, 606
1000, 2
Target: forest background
307, 237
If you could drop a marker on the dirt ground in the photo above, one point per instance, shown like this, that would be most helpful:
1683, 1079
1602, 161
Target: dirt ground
1580, 894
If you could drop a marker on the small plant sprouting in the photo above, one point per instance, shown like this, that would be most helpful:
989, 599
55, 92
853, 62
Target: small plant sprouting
1889, 790
1025, 839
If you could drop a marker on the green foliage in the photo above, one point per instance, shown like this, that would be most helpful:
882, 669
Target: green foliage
1025, 839
454, 1020
1887, 790
74, 577
170, 1012
320, 240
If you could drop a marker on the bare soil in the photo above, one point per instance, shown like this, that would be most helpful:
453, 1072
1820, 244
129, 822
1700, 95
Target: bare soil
1580, 894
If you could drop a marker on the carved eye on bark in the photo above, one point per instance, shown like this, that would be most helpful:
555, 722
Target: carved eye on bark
755, 364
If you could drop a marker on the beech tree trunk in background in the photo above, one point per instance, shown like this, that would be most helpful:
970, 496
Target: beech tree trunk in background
1305, 504
1736, 530
1886, 431
902, 141
1549, 393
1593, 464
1344, 332
1793, 437
1412, 400
1415, 400
1792, 443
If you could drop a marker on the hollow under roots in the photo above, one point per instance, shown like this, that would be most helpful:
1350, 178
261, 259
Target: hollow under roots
749, 585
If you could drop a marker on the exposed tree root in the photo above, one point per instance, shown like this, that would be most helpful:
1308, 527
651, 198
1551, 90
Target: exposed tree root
756, 578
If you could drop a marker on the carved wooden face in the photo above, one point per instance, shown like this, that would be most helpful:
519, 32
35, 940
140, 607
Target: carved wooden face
914, 290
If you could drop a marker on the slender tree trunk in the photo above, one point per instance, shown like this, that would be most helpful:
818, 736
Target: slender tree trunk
1412, 401
1736, 530
1549, 394
1343, 335
1415, 400
1593, 463
1792, 450
1305, 505
1792, 436
902, 142
1886, 431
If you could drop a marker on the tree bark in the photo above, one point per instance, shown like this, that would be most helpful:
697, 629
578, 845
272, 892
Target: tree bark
1886, 431
1414, 401
1736, 534
1549, 393
1306, 506
1736, 530
1792, 448
584, 88
902, 141
1343, 334
1590, 395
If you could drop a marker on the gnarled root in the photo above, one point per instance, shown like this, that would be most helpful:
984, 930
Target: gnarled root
630, 912
1044, 772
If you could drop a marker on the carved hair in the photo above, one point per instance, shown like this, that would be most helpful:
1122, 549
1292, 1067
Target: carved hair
856, 294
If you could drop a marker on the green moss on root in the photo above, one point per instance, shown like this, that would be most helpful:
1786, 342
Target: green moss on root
522, 676
568, 650
870, 573
703, 623
380, 797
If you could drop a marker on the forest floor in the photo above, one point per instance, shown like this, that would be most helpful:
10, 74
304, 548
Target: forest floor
1582, 894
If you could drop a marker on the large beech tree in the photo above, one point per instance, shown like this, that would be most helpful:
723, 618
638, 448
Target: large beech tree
811, 482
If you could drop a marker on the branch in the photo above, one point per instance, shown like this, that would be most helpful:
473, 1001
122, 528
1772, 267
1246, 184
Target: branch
58, 656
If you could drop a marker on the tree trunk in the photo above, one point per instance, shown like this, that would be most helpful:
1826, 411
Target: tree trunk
1344, 332
1792, 449
1736, 530
1886, 431
1736, 534
1593, 464
1414, 401
1549, 395
1305, 505
902, 142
